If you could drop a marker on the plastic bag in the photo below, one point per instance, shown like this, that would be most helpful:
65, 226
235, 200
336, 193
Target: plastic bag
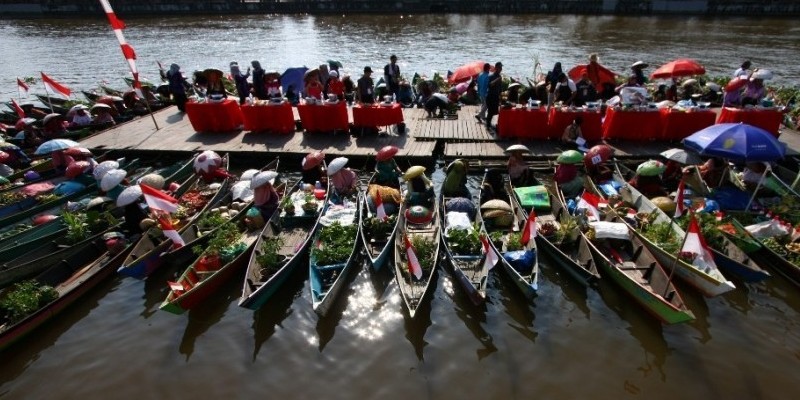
521, 260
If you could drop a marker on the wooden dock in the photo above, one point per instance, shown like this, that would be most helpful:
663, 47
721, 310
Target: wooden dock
424, 139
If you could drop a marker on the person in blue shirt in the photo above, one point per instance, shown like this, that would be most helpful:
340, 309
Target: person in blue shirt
483, 90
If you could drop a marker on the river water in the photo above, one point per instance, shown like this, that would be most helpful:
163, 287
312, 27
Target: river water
569, 342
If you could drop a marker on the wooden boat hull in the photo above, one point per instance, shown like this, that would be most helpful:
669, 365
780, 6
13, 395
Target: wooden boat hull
180, 303
322, 299
100, 269
379, 258
297, 233
654, 303
415, 293
475, 288
31, 239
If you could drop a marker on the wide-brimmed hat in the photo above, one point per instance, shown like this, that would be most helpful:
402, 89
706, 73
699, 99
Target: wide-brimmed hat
413, 172
386, 153
336, 165
312, 160
640, 64
262, 178
518, 147
51, 117
129, 195
367, 69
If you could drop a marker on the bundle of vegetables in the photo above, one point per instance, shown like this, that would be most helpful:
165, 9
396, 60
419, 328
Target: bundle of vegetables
191, 202
662, 234
711, 229
336, 242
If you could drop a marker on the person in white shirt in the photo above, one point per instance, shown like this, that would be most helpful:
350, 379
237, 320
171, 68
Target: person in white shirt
565, 90
744, 70
81, 118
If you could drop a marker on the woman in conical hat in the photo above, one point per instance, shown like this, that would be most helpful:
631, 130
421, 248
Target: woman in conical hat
420, 188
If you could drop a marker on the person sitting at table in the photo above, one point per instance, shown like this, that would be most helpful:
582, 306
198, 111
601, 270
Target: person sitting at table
240, 80
572, 133
313, 86
552, 80
366, 88
637, 70
455, 183
381, 91
259, 83
335, 86
344, 180
441, 102
584, 91
215, 86
349, 89
565, 90
754, 92
631, 82
323, 76
272, 85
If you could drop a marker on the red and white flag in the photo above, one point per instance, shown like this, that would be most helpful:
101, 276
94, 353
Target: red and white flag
127, 50
20, 112
22, 85
413, 264
695, 244
529, 231
491, 257
169, 231
680, 208
159, 200
591, 202
55, 87
379, 208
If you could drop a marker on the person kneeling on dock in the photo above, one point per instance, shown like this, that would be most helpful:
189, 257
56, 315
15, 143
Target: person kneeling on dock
441, 102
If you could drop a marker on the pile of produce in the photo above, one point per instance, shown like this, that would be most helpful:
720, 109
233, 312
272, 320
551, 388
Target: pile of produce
335, 244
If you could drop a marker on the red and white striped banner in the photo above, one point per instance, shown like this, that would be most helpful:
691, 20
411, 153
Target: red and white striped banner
55, 87
127, 50
22, 85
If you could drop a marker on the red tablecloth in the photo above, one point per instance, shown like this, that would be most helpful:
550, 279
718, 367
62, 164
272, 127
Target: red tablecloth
272, 118
377, 115
324, 117
632, 125
768, 120
591, 127
521, 122
676, 125
224, 116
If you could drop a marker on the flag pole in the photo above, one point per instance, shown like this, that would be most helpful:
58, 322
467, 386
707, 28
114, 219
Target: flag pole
149, 110
48, 96
758, 186
675, 260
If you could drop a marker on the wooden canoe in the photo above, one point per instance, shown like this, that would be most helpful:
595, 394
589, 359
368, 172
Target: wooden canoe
198, 283
146, 254
573, 256
710, 283
414, 291
327, 281
378, 249
630, 264
71, 278
525, 277
296, 231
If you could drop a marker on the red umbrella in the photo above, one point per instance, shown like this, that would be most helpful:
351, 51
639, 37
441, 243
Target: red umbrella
736, 84
604, 75
679, 67
386, 153
76, 168
467, 71
597, 155
311, 160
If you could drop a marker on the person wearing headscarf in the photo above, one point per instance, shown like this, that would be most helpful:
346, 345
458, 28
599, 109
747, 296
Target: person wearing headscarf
242, 87
259, 85
552, 79
313, 86
266, 199
387, 172
637, 70
344, 181
214, 84
754, 92
176, 86
335, 85
455, 183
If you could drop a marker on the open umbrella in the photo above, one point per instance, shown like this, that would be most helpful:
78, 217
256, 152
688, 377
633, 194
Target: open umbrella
736, 83
466, 71
129, 195
101, 169
518, 147
681, 156
293, 77
333, 64
763, 74
112, 178
205, 160
386, 153
263, 178
248, 175
55, 145
598, 155
679, 67
241, 191
76, 168
741, 142
604, 75
337, 164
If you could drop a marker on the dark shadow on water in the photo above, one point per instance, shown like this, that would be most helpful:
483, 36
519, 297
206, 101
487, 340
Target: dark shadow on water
780, 288
326, 326
380, 279
156, 288
573, 291
644, 327
474, 316
516, 305
739, 298
23, 353
277, 308
210, 311
417, 327
697, 303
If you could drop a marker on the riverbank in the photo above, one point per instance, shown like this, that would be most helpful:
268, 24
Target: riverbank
708, 8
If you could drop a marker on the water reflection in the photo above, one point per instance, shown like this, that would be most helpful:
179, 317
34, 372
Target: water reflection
474, 317
209, 312
326, 326
516, 306
417, 327
277, 309
574, 292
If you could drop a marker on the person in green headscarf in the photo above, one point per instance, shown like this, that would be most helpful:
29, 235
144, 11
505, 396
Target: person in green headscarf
455, 184
387, 171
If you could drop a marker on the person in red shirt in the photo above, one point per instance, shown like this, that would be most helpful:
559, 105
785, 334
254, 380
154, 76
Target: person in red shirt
335, 85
